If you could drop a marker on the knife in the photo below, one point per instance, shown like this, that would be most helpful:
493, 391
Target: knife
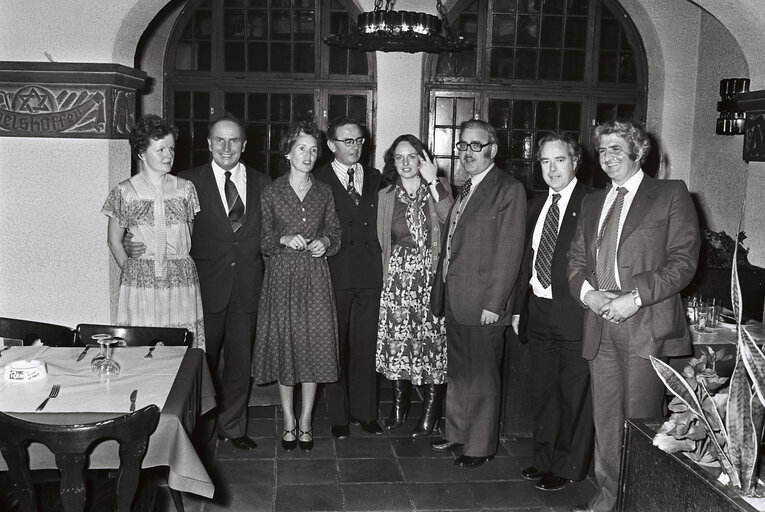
133, 396
82, 354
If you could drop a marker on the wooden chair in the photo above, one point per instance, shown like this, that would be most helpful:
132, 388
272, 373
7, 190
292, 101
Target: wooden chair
134, 336
71, 444
29, 331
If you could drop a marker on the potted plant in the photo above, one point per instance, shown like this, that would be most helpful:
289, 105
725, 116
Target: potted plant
717, 421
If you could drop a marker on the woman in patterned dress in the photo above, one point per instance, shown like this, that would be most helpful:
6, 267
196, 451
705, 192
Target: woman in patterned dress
296, 340
411, 342
160, 288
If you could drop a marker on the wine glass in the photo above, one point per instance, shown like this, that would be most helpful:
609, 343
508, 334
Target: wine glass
99, 338
108, 367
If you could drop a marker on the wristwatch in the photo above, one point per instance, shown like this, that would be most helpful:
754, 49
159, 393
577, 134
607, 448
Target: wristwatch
636, 298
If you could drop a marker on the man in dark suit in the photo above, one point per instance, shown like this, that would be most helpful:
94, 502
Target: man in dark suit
357, 279
636, 247
225, 246
473, 286
562, 406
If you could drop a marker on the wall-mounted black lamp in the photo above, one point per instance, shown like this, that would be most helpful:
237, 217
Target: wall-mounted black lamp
731, 121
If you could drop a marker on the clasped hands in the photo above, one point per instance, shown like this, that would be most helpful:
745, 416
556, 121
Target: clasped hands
611, 306
316, 247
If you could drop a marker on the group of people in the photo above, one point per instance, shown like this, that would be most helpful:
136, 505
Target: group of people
368, 272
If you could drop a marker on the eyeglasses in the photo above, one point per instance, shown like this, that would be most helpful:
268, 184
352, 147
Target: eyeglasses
349, 142
474, 146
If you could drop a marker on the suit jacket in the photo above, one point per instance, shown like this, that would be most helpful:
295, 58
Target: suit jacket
568, 309
657, 254
486, 252
218, 252
359, 262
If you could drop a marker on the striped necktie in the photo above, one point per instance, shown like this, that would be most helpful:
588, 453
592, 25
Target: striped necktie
547, 243
351, 188
235, 203
607, 242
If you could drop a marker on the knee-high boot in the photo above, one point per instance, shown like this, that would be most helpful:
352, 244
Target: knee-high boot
431, 410
402, 392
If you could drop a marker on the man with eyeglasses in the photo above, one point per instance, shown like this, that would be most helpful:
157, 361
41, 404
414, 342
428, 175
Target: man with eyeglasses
357, 279
636, 247
473, 287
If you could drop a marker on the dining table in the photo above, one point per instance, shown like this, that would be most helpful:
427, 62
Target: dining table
176, 379
723, 339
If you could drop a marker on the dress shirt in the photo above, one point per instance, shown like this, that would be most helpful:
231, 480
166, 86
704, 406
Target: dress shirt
341, 171
238, 177
632, 186
565, 197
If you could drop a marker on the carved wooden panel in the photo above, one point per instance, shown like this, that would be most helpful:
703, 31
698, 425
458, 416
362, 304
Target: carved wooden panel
67, 100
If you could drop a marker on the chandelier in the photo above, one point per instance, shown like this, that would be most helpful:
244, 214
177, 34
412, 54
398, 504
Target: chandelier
387, 30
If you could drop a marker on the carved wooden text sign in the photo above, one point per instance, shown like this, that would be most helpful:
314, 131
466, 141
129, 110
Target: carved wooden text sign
60, 106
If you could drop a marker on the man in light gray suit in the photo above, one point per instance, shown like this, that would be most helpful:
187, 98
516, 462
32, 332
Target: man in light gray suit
481, 256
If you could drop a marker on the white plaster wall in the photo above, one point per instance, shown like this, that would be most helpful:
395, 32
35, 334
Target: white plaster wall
54, 263
745, 20
719, 175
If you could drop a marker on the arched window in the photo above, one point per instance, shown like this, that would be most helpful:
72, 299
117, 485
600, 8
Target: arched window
263, 61
540, 65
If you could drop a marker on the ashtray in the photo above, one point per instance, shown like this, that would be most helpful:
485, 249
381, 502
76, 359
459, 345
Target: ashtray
25, 371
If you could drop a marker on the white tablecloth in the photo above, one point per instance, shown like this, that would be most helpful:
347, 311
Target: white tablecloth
82, 390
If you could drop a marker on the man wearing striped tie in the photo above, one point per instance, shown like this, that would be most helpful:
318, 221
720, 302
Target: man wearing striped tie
225, 246
552, 323
636, 247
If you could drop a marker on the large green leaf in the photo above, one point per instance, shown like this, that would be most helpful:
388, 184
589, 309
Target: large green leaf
680, 388
742, 445
754, 360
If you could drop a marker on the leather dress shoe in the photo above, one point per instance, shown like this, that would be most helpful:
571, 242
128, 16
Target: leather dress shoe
551, 482
466, 461
442, 445
240, 443
341, 431
371, 427
531, 473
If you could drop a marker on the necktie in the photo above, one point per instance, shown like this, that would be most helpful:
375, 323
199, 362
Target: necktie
235, 204
547, 243
456, 211
352, 189
607, 242
465, 190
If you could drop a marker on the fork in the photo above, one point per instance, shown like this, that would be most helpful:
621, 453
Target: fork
149, 353
4, 349
53, 394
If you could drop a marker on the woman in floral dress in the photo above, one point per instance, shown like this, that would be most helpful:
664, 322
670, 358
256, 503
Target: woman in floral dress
296, 340
411, 342
160, 288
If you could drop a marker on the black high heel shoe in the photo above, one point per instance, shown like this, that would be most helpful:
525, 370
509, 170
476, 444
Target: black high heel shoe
289, 445
306, 446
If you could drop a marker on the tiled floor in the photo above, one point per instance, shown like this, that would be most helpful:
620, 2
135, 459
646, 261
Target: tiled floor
366, 472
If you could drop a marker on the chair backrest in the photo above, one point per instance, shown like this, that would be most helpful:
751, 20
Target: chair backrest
29, 331
71, 444
134, 336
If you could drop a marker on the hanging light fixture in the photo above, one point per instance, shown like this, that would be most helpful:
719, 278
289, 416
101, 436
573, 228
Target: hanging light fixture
387, 30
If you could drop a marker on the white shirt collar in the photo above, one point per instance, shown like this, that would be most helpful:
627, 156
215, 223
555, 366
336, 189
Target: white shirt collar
631, 184
565, 194
220, 172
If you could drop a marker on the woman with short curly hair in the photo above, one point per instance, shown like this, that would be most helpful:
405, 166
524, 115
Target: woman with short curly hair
159, 288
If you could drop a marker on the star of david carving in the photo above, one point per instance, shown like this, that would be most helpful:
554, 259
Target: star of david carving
34, 94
